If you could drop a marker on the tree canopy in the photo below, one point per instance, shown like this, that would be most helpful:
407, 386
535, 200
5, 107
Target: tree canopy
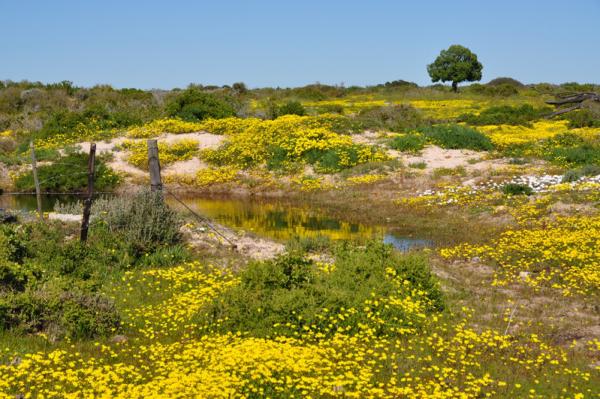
456, 64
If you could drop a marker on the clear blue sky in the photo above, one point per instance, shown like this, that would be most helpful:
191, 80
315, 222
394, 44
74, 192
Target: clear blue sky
165, 44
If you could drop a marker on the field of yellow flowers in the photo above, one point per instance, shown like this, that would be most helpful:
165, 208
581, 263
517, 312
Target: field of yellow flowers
538, 199
169, 354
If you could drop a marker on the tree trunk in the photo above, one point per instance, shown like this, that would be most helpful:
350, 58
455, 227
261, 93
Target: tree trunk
455, 87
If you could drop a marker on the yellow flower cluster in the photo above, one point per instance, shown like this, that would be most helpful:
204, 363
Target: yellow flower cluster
170, 356
350, 104
448, 109
365, 179
504, 136
250, 141
209, 176
165, 125
91, 131
562, 254
181, 150
6, 133
310, 183
437, 109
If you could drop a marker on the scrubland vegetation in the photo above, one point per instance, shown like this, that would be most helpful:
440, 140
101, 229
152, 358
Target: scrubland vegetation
506, 304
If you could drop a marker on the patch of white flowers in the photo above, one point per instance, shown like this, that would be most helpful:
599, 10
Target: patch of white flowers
538, 184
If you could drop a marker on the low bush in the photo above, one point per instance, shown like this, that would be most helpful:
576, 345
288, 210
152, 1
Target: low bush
291, 108
291, 294
505, 81
576, 174
506, 115
517, 189
59, 313
502, 90
194, 104
68, 174
143, 221
410, 142
457, 137
583, 118
571, 150
394, 118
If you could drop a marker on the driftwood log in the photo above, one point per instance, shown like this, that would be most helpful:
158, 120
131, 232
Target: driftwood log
571, 101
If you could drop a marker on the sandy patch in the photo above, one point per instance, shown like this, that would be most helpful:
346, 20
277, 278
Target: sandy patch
252, 247
435, 157
189, 167
119, 162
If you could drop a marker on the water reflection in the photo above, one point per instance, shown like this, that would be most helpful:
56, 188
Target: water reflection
28, 202
271, 219
280, 221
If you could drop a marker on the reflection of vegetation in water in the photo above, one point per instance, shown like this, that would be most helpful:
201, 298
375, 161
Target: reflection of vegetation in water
28, 202
279, 221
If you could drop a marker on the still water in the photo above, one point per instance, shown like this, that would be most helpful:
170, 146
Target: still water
271, 219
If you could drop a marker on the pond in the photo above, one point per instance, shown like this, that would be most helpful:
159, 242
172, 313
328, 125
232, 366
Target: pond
271, 219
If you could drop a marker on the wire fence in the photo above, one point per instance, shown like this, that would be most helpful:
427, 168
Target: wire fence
76, 218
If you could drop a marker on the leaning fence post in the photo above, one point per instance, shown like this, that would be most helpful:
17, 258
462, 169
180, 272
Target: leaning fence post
36, 181
87, 205
154, 166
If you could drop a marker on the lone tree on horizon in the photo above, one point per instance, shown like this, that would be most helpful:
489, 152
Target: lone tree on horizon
456, 64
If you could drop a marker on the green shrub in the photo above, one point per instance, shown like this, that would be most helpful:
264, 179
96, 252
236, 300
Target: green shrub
569, 149
505, 81
395, 118
285, 295
291, 108
576, 174
60, 313
13, 243
505, 114
457, 137
503, 90
278, 159
332, 160
517, 189
331, 109
69, 174
583, 118
584, 154
194, 104
408, 142
96, 117
144, 221
12, 276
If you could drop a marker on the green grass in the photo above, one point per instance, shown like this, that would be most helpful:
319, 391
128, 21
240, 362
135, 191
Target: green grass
457, 137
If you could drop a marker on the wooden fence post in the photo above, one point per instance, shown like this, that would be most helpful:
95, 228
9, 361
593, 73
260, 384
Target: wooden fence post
154, 166
36, 181
87, 205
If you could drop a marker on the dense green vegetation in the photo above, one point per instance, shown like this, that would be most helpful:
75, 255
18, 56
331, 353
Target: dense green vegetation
287, 295
507, 115
52, 283
68, 174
